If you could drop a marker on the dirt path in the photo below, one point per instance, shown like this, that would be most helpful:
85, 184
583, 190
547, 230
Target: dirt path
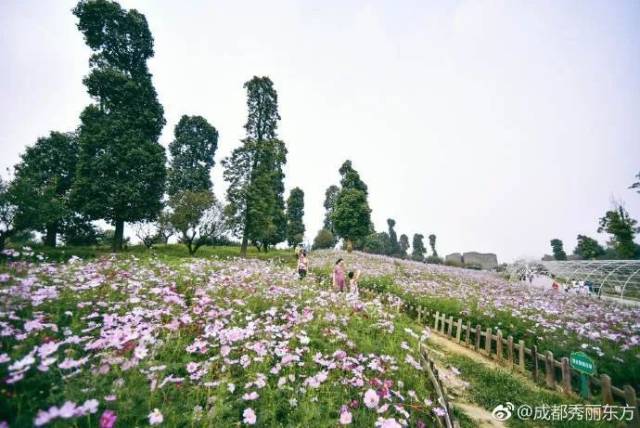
456, 386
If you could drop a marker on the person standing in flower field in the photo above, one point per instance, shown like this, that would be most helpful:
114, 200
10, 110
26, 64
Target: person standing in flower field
303, 264
338, 275
353, 282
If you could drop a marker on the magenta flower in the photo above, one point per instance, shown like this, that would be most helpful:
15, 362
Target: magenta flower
108, 419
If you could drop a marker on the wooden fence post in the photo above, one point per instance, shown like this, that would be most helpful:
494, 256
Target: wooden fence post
478, 334
435, 324
536, 371
467, 334
419, 313
487, 342
499, 346
450, 329
510, 350
443, 323
521, 355
458, 330
632, 401
605, 384
566, 376
550, 370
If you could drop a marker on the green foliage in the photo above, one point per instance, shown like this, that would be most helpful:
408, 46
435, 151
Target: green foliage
558, 251
197, 216
617, 223
418, 248
256, 208
42, 182
588, 248
378, 243
192, 154
164, 228
78, 230
121, 167
636, 185
262, 106
330, 198
394, 245
351, 178
352, 215
432, 244
404, 245
324, 239
295, 214
7, 213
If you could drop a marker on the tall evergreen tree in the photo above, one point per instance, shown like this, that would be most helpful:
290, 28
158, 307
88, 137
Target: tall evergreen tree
558, 251
295, 214
432, 244
588, 248
394, 246
404, 245
121, 168
43, 179
622, 228
419, 249
351, 178
352, 216
254, 170
192, 154
330, 198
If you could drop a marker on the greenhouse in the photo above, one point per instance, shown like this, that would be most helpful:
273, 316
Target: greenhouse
617, 279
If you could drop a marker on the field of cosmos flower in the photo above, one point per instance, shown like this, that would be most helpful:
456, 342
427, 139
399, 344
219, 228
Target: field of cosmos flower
150, 339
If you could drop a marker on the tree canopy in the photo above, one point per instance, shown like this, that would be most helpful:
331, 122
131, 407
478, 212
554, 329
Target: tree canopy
558, 251
121, 167
352, 215
7, 213
295, 215
256, 208
404, 245
394, 245
588, 248
419, 249
622, 228
192, 152
43, 179
432, 244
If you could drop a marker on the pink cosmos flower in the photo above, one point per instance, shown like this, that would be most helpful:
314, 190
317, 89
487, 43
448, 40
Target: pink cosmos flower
249, 416
345, 416
371, 399
108, 419
155, 417
387, 423
250, 396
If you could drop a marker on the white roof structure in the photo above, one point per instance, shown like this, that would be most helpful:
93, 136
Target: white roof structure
619, 279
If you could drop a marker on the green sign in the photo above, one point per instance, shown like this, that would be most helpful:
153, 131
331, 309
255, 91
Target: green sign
582, 363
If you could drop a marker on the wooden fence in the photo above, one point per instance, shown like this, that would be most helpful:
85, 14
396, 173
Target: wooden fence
439, 392
542, 365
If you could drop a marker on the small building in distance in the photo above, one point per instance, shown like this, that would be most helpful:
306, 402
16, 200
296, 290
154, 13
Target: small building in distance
473, 259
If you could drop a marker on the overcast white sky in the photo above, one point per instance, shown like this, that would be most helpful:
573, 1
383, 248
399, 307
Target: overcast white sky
496, 125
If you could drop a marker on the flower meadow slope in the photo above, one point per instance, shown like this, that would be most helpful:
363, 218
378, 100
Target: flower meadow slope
143, 341
556, 321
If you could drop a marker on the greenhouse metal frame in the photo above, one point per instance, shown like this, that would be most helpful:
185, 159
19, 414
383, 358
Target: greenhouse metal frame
618, 279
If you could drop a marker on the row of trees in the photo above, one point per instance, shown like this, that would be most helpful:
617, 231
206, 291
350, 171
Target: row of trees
619, 226
348, 217
114, 169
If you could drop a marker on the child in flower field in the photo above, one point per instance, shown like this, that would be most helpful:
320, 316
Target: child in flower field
353, 282
303, 264
338, 275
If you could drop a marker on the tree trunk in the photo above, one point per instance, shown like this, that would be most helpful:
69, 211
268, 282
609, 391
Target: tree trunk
2, 239
349, 245
243, 247
118, 236
51, 235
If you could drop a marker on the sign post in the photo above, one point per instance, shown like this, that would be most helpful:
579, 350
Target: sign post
584, 365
